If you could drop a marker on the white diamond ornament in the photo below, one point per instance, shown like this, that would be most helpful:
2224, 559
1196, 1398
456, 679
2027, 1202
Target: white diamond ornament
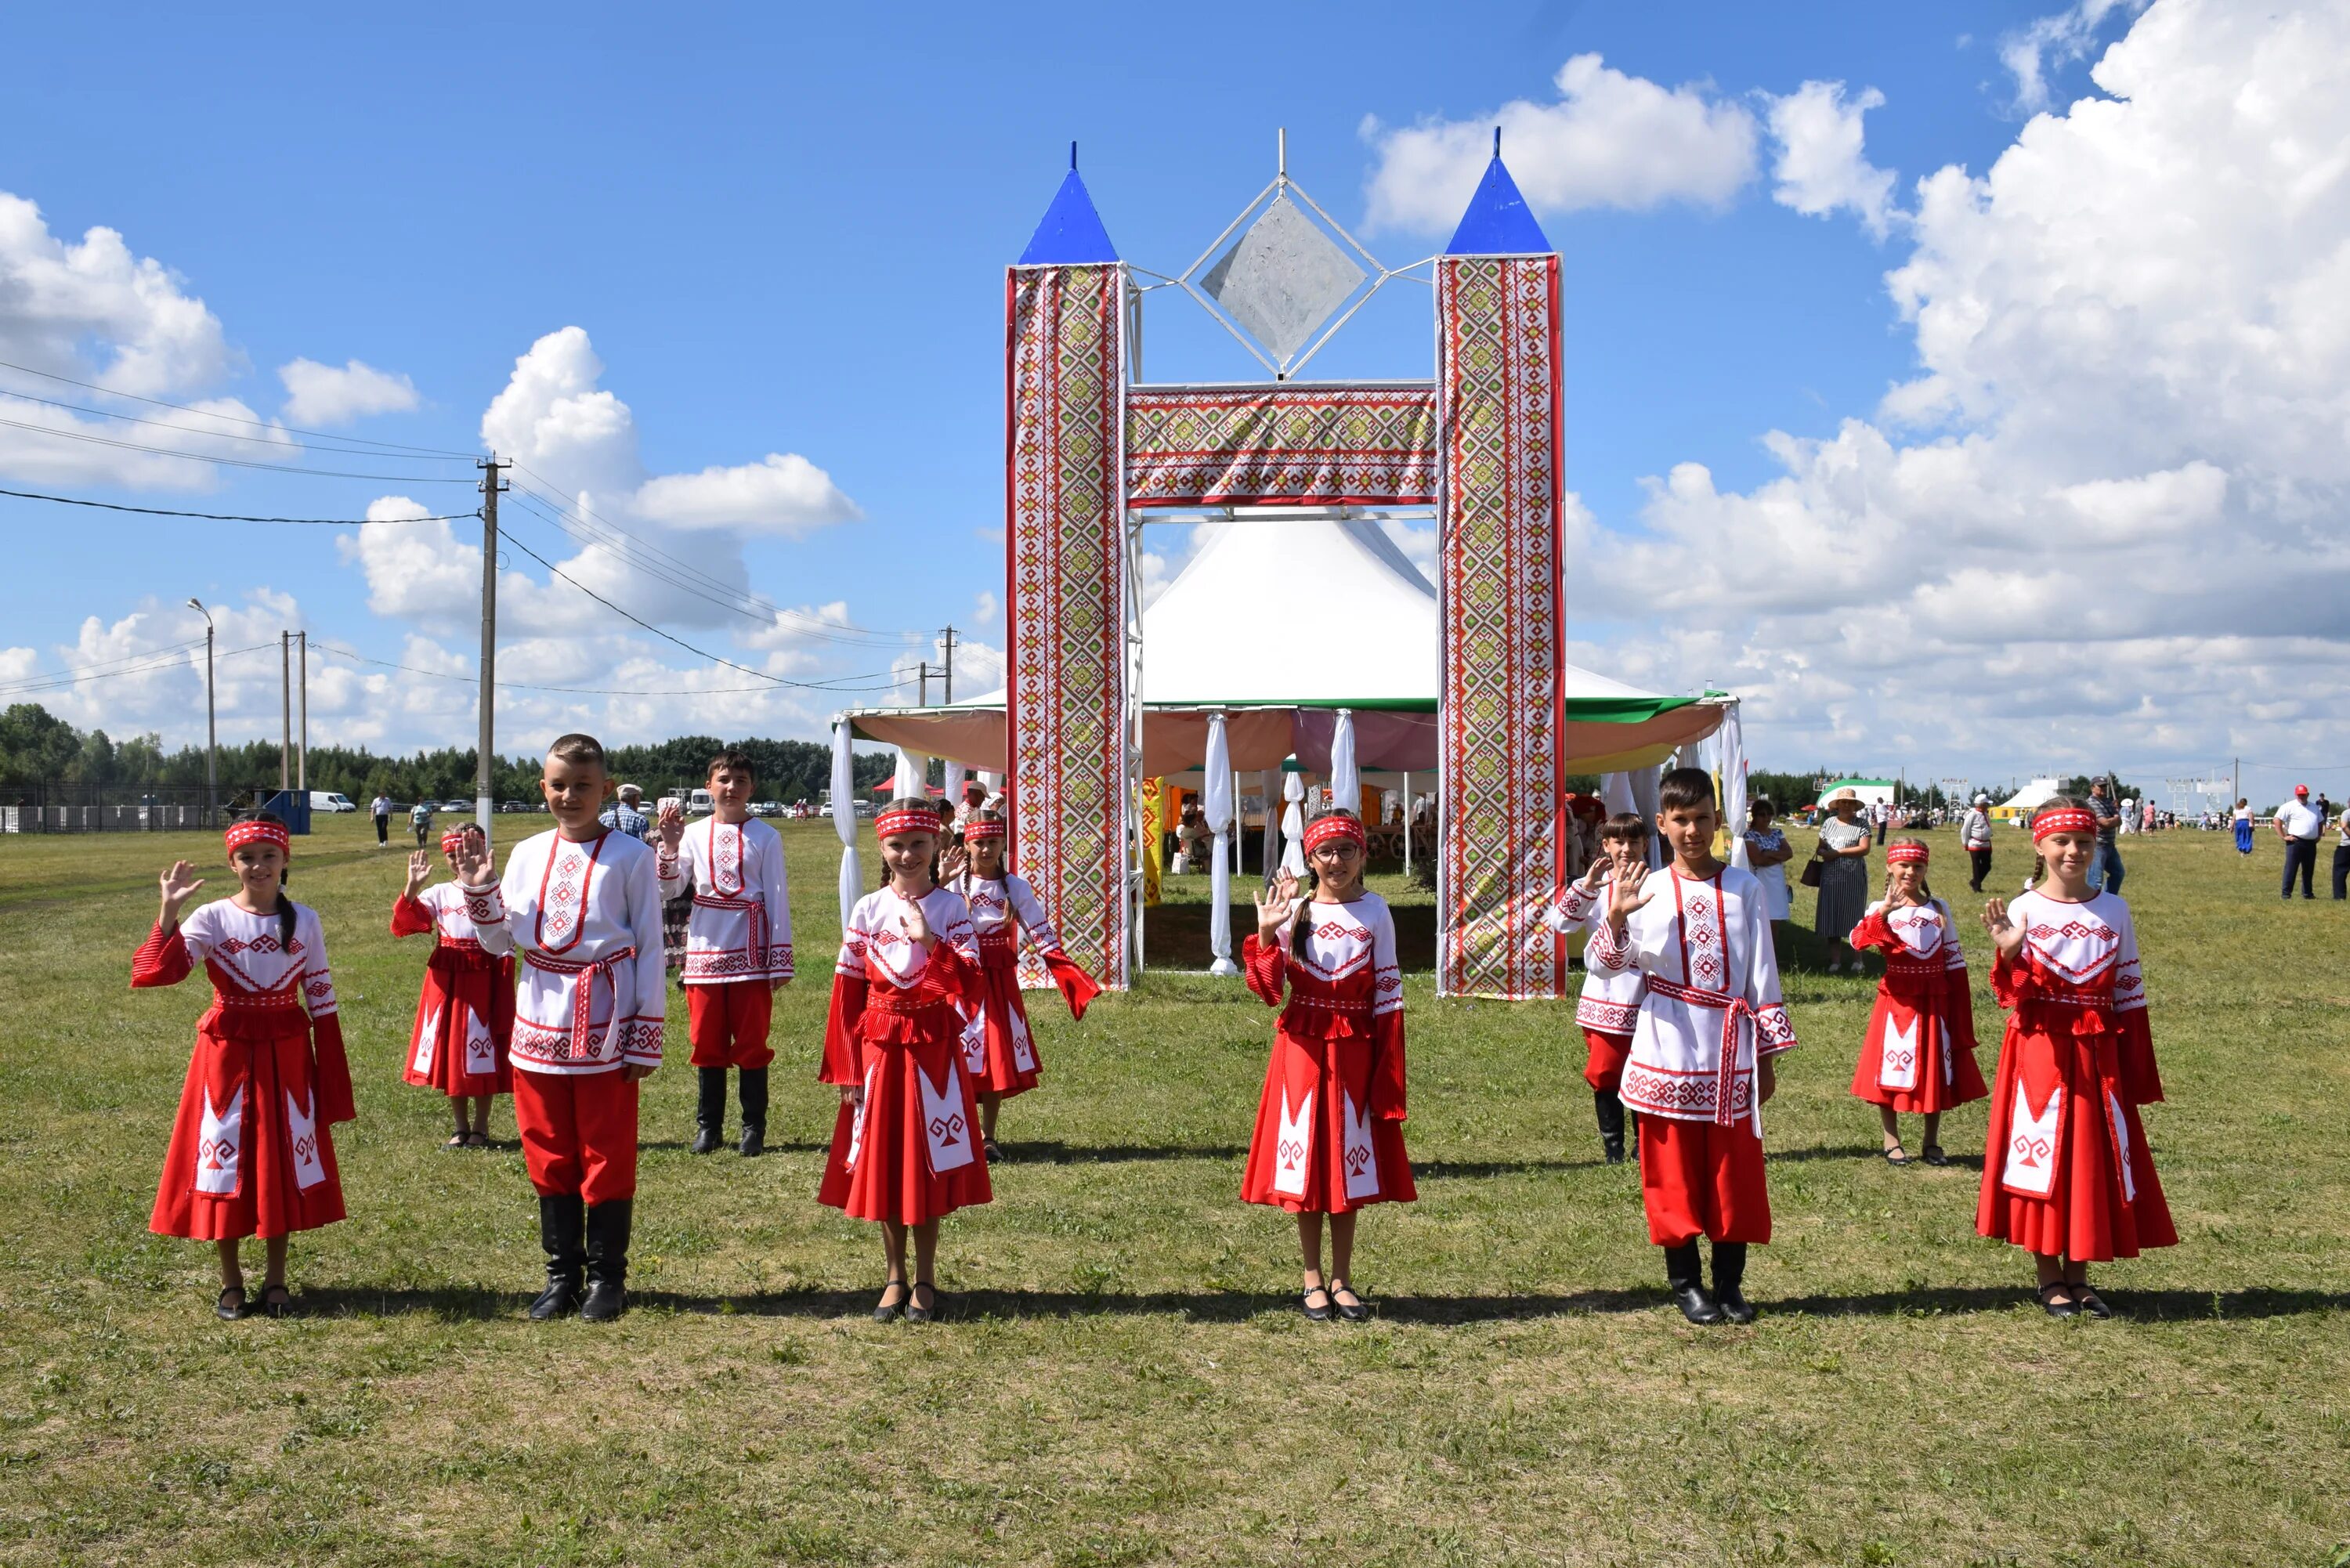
1283, 278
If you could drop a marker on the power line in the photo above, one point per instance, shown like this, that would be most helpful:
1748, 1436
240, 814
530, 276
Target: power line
586, 690
232, 419
275, 439
638, 620
93, 672
229, 516
230, 461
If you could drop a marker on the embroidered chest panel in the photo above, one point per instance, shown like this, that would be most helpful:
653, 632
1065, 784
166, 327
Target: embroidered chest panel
726, 860
563, 892
1337, 944
2071, 941
1705, 944
1921, 929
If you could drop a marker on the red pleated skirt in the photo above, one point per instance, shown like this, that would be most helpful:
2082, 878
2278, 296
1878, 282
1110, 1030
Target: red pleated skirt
911, 1151
1010, 1064
2099, 1204
465, 1022
1317, 1148
250, 1153
1941, 1076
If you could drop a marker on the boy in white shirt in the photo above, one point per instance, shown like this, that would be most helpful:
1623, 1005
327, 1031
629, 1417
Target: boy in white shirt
581, 907
738, 945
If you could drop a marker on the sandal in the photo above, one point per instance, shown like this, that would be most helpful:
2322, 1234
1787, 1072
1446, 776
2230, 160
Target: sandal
225, 1312
2052, 1306
456, 1140
2089, 1302
992, 1149
282, 1307
477, 1140
1306, 1303
1354, 1310
1933, 1155
916, 1312
1896, 1156
891, 1307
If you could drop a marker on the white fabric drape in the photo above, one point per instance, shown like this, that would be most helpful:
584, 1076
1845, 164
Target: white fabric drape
843, 816
1268, 782
1218, 803
956, 773
1731, 746
1643, 781
1293, 824
913, 775
1345, 779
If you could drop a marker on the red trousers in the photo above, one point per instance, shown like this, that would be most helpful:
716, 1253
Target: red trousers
579, 1133
727, 1024
1699, 1179
1604, 1057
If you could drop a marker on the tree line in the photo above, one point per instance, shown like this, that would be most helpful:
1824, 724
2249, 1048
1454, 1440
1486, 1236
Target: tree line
37, 747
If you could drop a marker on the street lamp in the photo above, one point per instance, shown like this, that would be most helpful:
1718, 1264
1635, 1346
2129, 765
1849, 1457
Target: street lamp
211, 731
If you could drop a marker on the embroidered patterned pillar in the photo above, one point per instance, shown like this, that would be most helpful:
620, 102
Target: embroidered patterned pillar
1500, 727
1067, 582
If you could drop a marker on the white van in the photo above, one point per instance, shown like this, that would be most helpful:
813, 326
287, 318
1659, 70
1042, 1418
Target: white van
329, 801
698, 803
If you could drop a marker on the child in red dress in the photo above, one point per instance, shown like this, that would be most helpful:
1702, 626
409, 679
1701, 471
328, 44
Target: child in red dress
1919, 1054
251, 1153
1609, 1006
2067, 1176
905, 1145
464, 1015
1330, 1125
1001, 1050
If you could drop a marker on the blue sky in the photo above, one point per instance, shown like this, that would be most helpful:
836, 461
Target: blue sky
785, 233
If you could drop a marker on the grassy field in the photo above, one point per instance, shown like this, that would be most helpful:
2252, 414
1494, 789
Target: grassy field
1125, 1378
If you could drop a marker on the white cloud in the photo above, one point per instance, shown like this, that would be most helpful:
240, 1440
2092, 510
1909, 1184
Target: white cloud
59, 300
2063, 38
1609, 140
2105, 521
320, 394
984, 608
786, 495
1821, 167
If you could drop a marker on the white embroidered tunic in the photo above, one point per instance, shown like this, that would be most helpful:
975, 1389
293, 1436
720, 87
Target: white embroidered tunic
1712, 1009
741, 927
242, 949
585, 919
1610, 1002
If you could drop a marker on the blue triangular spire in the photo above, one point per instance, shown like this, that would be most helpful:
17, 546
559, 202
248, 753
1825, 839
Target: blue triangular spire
1072, 232
1498, 222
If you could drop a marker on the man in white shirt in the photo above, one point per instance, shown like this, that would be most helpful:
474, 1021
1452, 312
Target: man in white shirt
381, 809
1974, 836
2299, 824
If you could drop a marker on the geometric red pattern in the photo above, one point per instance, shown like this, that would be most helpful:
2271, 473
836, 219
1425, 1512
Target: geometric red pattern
1286, 443
1499, 730
1066, 613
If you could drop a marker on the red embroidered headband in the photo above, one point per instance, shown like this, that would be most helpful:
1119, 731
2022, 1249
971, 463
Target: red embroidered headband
908, 819
454, 839
2071, 819
1322, 830
985, 827
243, 832
1904, 853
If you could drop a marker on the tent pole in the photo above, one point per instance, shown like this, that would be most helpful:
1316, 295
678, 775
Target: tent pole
1407, 823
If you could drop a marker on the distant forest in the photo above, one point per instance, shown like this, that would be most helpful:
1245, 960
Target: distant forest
36, 747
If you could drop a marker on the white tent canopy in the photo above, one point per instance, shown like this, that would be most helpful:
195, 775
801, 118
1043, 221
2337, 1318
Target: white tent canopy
2032, 796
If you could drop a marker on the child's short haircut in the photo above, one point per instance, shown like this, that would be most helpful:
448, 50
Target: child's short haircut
1683, 788
1625, 826
577, 748
733, 762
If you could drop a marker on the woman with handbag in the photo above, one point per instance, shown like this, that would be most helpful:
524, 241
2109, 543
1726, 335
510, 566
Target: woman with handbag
1841, 863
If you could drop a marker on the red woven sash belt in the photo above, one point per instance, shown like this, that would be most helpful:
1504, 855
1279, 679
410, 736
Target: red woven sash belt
584, 1047
1738, 1016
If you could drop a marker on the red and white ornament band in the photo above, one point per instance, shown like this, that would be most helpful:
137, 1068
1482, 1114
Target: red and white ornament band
1322, 830
454, 839
1905, 854
910, 819
2070, 819
985, 827
243, 832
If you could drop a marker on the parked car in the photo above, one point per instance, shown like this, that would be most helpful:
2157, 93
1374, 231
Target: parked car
697, 804
507, 806
329, 801
765, 808
456, 805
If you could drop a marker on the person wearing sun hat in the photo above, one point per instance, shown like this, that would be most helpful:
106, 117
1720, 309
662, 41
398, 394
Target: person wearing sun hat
1844, 877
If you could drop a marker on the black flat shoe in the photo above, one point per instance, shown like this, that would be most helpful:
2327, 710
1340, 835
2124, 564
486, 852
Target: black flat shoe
456, 1142
1896, 1157
1306, 1305
2091, 1302
890, 1305
917, 1313
1356, 1311
1932, 1155
277, 1301
223, 1311
2055, 1308
992, 1149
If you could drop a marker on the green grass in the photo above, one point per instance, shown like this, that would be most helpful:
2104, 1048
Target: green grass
1127, 1380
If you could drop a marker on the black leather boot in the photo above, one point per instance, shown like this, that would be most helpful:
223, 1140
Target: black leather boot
710, 1110
753, 1091
1685, 1281
1728, 1274
562, 1225
607, 1260
1609, 1108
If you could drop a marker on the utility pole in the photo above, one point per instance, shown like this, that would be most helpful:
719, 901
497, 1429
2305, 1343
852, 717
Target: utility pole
2235, 789
284, 710
302, 671
484, 757
947, 641
212, 729
924, 667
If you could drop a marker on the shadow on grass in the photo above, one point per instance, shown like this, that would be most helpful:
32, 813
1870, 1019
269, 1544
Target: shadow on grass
1470, 1170
1048, 1151
453, 1305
